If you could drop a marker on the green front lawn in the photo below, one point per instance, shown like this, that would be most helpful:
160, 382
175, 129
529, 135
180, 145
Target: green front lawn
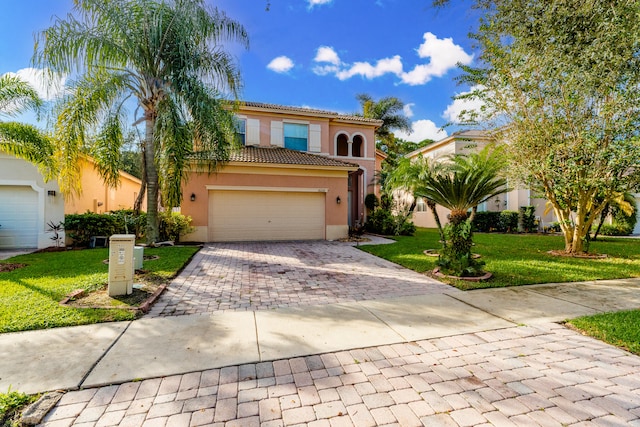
520, 259
30, 296
619, 328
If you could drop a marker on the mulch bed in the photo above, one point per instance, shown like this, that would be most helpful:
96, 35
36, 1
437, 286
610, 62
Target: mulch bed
6, 267
585, 256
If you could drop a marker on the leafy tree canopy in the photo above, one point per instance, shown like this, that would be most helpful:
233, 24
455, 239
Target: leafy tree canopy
560, 79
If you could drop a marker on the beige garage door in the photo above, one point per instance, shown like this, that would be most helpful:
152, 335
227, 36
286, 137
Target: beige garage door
265, 215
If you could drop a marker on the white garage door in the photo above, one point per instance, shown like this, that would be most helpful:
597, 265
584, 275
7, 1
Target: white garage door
18, 217
265, 215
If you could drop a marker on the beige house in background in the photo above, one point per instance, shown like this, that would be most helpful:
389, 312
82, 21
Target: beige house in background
465, 142
97, 197
300, 174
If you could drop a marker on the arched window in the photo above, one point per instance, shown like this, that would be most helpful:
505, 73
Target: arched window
342, 145
356, 146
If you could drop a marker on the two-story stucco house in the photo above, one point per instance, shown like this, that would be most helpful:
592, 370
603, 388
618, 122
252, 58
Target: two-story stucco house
466, 142
301, 174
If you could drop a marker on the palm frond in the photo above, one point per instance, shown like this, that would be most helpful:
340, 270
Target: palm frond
17, 96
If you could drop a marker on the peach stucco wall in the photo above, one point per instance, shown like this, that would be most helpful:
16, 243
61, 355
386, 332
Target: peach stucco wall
245, 176
98, 197
330, 127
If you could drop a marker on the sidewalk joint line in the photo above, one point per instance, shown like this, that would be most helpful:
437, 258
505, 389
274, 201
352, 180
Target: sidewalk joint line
383, 322
482, 309
93, 366
255, 326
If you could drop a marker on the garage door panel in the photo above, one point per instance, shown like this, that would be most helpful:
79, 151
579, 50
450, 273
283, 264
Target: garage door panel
18, 217
265, 215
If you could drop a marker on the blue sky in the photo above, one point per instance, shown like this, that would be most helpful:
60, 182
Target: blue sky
318, 53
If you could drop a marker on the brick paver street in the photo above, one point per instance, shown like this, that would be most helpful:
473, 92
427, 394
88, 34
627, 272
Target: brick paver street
522, 376
261, 276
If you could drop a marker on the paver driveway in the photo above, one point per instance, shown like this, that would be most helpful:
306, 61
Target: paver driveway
261, 275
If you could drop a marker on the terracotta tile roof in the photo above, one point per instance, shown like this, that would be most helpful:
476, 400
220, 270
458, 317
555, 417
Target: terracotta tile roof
308, 111
284, 156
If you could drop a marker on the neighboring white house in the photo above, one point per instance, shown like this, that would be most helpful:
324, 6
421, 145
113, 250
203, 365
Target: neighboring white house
27, 204
465, 142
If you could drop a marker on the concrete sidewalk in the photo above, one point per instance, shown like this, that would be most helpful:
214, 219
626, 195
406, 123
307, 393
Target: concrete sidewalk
113, 353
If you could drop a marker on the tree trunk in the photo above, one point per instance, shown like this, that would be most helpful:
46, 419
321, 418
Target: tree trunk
137, 205
153, 227
603, 217
432, 206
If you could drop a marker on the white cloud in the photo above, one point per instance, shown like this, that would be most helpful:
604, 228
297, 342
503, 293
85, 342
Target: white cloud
422, 129
408, 110
313, 3
383, 66
281, 64
460, 107
327, 54
443, 55
48, 87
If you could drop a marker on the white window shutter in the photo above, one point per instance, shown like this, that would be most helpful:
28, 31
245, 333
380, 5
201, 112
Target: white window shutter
315, 145
277, 134
253, 132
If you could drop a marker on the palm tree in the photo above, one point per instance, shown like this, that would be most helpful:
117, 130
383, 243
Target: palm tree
390, 111
167, 57
23, 140
461, 185
409, 175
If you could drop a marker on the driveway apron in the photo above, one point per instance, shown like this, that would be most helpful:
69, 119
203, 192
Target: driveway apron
265, 276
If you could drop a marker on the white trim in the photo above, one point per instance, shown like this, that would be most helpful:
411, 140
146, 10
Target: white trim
252, 132
274, 189
277, 133
364, 144
296, 122
342, 158
314, 142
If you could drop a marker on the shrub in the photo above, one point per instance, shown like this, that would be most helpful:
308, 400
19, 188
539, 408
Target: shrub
487, 221
620, 217
456, 258
554, 227
173, 224
508, 221
527, 219
11, 403
615, 229
382, 221
371, 202
80, 227
130, 222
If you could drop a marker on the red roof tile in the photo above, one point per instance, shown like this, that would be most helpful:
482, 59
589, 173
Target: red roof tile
284, 156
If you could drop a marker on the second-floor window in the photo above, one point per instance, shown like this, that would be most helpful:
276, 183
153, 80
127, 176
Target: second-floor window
296, 136
241, 131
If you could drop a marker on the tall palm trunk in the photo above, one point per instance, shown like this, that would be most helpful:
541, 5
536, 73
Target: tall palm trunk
153, 228
432, 207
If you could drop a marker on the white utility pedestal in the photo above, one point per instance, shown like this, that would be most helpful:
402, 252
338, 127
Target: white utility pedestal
121, 264
138, 257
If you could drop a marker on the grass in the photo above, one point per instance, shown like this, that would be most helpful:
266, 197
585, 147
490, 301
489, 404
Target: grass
619, 328
520, 259
30, 296
11, 405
